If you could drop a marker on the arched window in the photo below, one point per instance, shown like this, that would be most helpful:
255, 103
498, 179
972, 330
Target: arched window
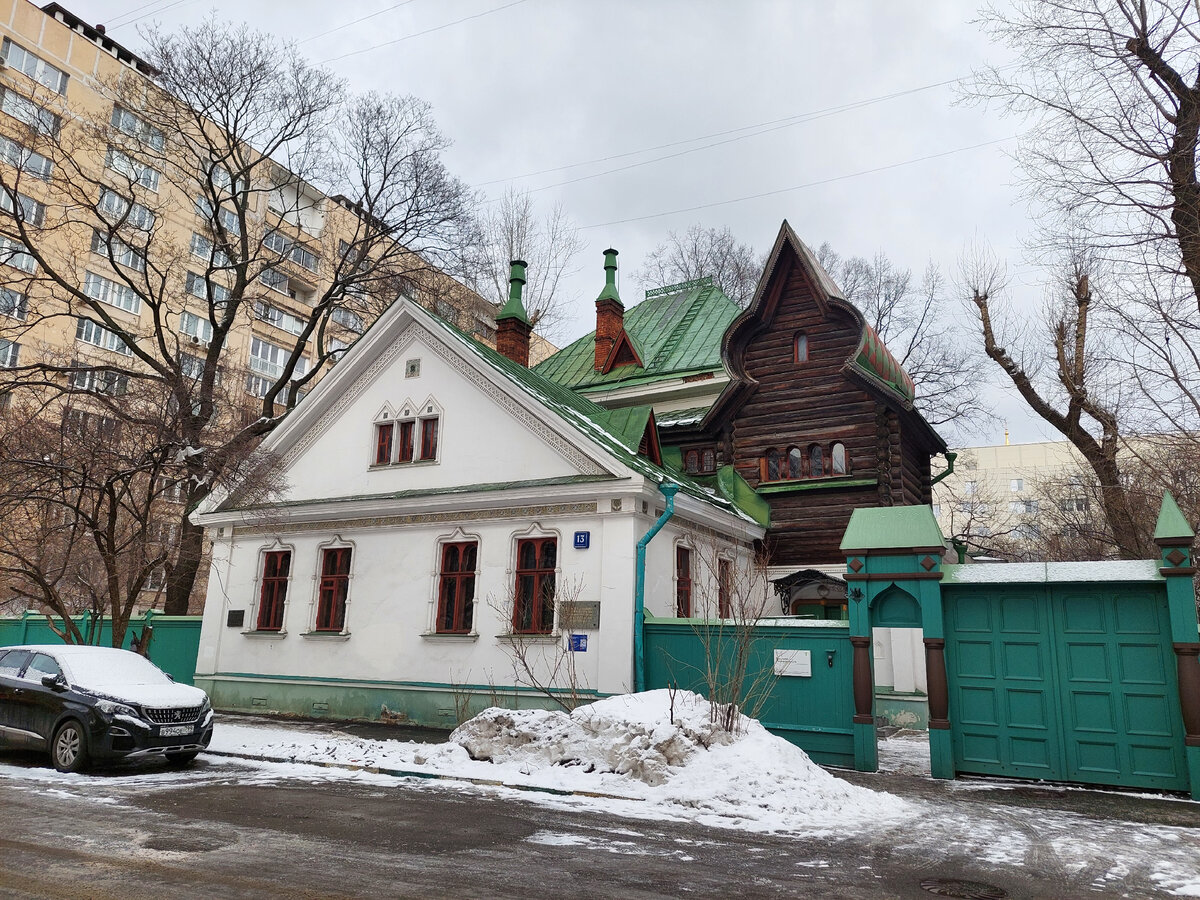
708, 461
816, 461
773, 460
795, 463
691, 461
837, 456
800, 348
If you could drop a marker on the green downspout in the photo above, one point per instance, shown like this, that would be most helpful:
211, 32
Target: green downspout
950, 458
639, 594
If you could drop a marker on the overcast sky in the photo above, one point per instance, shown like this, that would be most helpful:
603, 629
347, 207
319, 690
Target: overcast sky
576, 90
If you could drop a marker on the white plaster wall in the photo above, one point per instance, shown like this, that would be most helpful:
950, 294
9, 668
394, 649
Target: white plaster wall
900, 658
479, 442
392, 601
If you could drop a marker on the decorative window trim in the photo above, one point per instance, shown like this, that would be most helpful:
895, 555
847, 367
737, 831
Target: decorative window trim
409, 438
683, 545
535, 532
793, 464
458, 536
337, 542
260, 574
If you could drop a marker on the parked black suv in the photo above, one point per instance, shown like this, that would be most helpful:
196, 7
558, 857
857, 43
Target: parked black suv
90, 703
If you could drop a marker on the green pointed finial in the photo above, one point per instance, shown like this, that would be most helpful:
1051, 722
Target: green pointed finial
610, 277
514, 308
1171, 525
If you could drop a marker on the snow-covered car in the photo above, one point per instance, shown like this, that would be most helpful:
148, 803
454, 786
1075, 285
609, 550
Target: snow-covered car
94, 703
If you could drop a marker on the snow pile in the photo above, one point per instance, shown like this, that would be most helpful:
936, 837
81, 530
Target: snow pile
685, 760
624, 755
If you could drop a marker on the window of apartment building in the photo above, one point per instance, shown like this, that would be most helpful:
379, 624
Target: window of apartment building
273, 315
98, 381
137, 172
89, 425
937, 510
128, 123
105, 290
32, 212
226, 218
223, 180
683, 582
25, 110
272, 595
456, 588
24, 159
172, 491
334, 589
13, 304
193, 367
970, 487
289, 249
533, 606
17, 57
1016, 485
270, 359
97, 335
122, 254
1074, 504
336, 348
199, 286
198, 328
5, 402
348, 319
117, 210
203, 248
15, 254
10, 352
484, 330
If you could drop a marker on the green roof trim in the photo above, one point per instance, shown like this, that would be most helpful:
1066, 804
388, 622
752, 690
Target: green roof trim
1171, 525
739, 491
876, 360
892, 528
676, 333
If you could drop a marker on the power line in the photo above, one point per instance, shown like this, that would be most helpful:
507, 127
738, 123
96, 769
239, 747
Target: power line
907, 162
153, 12
406, 37
356, 21
796, 119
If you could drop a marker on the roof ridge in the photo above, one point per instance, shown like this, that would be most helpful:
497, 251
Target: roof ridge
676, 288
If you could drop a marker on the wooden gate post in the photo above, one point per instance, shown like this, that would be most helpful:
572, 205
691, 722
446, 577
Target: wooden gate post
1175, 537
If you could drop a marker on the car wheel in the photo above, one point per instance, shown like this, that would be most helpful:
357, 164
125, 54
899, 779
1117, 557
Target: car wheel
181, 759
68, 750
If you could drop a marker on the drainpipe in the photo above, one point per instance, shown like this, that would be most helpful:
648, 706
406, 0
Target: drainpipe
950, 458
639, 594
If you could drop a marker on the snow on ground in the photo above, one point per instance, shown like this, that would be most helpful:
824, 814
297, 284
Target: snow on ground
626, 747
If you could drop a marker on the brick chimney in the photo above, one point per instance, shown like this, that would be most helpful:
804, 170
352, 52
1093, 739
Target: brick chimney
610, 312
512, 324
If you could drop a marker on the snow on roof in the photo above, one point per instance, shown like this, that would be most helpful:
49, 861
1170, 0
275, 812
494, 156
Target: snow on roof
1053, 573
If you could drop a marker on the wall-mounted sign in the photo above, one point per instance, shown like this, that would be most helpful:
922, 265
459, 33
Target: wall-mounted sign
579, 643
583, 540
796, 663
582, 615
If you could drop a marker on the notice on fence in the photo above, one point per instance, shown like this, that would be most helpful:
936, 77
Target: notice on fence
794, 663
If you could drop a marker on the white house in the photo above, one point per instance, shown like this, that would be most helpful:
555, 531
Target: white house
445, 505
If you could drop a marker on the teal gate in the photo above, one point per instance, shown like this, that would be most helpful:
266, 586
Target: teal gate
1063, 681
812, 711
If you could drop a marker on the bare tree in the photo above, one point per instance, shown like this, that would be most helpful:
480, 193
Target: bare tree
202, 195
714, 252
920, 328
511, 229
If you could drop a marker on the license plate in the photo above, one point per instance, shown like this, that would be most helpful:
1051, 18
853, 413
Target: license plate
174, 730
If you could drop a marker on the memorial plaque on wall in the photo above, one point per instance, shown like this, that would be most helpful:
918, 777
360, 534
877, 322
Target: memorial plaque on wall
580, 615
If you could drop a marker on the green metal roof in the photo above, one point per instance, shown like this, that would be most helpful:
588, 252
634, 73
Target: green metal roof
619, 431
677, 331
892, 528
1171, 523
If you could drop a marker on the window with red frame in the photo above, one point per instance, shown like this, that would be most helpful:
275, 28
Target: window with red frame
533, 606
683, 582
276, 566
429, 431
335, 585
724, 588
456, 593
406, 442
383, 443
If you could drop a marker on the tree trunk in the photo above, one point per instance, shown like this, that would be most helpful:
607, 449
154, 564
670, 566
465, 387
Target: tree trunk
182, 577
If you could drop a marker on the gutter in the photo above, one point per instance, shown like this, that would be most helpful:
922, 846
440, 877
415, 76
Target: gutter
950, 457
639, 594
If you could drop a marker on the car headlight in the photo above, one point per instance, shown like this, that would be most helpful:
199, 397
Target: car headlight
109, 708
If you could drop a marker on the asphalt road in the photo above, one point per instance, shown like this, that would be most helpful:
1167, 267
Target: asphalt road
227, 830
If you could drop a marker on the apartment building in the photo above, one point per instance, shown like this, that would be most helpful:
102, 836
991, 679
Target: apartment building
78, 150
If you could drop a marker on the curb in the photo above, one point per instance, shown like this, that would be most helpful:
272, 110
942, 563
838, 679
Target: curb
431, 776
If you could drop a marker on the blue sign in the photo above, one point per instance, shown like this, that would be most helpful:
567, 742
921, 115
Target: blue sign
579, 642
583, 540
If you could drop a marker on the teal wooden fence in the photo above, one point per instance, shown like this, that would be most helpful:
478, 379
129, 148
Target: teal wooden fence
173, 647
813, 711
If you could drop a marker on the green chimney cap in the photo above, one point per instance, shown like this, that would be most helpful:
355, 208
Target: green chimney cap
1172, 526
514, 308
610, 278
